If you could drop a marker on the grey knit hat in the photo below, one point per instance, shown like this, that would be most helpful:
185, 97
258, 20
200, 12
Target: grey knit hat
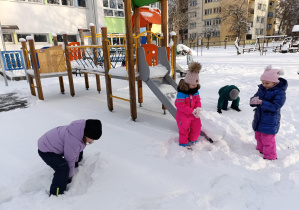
233, 94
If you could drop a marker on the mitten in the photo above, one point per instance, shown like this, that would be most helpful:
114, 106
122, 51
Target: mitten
219, 111
256, 100
198, 111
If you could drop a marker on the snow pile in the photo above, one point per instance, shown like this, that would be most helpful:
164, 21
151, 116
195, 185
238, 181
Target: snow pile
139, 165
157, 71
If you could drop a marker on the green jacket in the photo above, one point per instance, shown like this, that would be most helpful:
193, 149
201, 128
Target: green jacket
224, 96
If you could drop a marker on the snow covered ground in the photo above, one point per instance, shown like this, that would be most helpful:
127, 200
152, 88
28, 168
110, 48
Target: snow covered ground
139, 165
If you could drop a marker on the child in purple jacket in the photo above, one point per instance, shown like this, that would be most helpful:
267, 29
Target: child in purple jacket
62, 149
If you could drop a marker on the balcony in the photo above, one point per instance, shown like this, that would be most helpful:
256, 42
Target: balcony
270, 15
269, 26
271, 4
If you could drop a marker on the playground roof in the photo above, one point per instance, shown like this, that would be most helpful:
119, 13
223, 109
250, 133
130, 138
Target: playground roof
140, 3
295, 28
148, 15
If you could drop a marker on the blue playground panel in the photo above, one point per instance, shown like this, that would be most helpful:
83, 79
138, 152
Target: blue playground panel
12, 60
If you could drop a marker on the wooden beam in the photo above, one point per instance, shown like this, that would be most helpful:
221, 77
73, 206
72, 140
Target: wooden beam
106, 67
131, 71
137, 31
68, 65
164, 22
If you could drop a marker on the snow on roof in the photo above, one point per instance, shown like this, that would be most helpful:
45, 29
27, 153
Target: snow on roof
146, 14
295, 28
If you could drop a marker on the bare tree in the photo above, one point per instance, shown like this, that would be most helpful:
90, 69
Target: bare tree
178, 17
234, 15
287, 14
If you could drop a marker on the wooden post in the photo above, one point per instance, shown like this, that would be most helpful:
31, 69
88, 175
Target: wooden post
164, 29
137, 31
60, 78
95, 54
25, 53
35, 68
174, 39
131, 71
164, 22
106, 67
68, 64
83, 56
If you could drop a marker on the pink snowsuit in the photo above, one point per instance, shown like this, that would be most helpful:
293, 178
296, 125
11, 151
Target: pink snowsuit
189, 126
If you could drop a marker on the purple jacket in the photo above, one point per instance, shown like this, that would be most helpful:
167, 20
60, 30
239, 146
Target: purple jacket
65, 140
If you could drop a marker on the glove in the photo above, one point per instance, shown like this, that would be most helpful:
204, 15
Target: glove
256, 100
69, 180
219, 111
197, 112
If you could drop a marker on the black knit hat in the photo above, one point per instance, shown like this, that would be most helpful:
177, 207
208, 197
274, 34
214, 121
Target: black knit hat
93, 129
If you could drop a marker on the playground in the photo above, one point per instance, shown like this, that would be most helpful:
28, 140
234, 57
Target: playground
130, 85
139, 165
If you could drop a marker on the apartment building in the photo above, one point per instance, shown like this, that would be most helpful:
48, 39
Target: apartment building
208, 24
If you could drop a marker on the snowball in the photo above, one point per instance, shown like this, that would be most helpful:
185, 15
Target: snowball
80, 27
63, 32
54, 35
91, 25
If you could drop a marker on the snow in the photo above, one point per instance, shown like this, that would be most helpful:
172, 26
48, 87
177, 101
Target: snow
139, 165
295, 28
157, 71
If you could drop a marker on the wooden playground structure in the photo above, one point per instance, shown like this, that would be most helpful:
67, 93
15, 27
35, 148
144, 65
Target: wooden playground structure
97, 59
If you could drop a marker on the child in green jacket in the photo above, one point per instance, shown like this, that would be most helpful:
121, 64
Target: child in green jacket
228, 93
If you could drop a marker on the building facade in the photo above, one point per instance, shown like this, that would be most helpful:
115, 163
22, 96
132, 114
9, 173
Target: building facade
205, 20
41, 18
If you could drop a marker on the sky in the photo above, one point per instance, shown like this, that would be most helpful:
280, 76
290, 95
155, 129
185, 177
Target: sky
139, 165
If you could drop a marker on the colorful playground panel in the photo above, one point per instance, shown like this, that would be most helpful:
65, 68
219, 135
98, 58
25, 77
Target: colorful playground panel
12, 60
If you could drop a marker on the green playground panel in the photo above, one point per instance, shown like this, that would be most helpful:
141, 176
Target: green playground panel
140, 3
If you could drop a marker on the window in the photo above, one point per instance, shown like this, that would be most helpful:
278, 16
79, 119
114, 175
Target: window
192, 25
217, 10
192, 14
113, 4
7, 37
216, 21
119, 13
208, 1
193, 3
262, 20
113, 8
67, 2
53, 2
259, 6
120, 4
40, 38
70, 38
262, 31
208, 22
81, 3
208, 11
105, 3
258, 18
108, 12
22, 36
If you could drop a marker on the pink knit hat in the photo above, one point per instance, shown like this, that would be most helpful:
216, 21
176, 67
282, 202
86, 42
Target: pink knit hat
192, 77
270, 74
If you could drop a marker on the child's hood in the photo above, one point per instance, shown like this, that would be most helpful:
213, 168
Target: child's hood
76, 128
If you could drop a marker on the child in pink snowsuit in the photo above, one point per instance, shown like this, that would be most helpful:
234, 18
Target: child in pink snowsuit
268, 100
189, 106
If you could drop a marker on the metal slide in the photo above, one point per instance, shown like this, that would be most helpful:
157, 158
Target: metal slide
164, 87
